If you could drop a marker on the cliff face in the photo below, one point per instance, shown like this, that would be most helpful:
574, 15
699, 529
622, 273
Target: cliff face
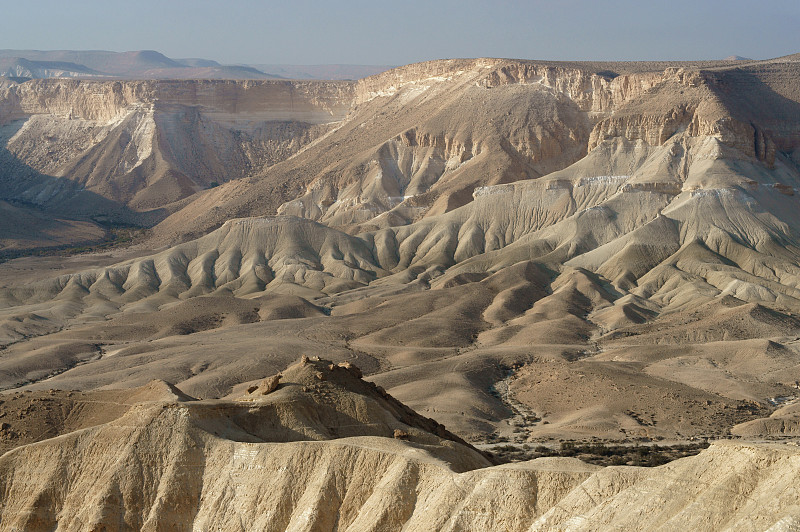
408, 143
269, 100
739, 106
444, 128
124, 147
72, 99
592, 91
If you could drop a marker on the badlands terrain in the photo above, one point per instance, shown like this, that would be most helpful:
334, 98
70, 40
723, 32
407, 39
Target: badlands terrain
534, 255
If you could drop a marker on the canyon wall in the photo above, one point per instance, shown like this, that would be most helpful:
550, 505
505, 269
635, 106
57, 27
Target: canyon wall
313, 102
127, 147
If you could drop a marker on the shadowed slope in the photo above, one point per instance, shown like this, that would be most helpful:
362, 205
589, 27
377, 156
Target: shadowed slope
127, 151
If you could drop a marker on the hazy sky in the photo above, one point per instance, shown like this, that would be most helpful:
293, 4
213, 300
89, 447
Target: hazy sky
399, 32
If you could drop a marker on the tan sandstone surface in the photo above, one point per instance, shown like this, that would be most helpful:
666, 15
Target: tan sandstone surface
325, 450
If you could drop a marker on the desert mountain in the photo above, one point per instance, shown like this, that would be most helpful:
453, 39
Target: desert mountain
19, 67
422, 138
527, 252
413, 142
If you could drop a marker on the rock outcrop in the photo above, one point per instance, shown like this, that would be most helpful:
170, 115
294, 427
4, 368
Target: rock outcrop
324, 454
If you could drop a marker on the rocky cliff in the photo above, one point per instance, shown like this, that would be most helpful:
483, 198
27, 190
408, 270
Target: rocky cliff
312, 102
122, 148
422, 138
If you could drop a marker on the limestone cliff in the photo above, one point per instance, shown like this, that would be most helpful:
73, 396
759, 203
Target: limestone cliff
270, 100
421, 138
79, 147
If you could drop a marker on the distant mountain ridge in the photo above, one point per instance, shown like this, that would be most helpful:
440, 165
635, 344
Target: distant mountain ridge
331, 72
98, 64
150, 64
19, 67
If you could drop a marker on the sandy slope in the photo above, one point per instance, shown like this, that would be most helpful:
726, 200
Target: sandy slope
323, 450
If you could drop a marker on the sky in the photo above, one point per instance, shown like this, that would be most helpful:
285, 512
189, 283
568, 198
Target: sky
398, 32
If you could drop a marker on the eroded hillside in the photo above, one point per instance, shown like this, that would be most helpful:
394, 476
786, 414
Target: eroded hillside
316, 448
421, 138
130, 151
667, 198
526, 252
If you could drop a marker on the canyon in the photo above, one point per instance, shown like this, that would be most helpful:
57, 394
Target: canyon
528, 253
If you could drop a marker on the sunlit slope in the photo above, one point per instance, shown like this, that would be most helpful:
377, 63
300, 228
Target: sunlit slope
722, 227
565, 261
317, 448
420, 138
